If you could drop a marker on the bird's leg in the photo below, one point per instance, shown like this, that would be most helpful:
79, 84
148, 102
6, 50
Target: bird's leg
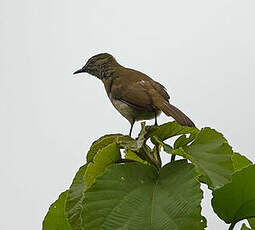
155, 114
132, 124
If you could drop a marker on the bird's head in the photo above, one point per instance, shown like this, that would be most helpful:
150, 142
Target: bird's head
99, 65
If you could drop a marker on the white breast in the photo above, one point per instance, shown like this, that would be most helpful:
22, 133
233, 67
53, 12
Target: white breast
123, 108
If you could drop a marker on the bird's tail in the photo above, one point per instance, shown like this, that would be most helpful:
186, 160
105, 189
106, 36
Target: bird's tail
172, 111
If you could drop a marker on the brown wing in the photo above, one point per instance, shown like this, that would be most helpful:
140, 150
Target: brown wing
133, 94
162, 104
160, 89
138, 90
129, 88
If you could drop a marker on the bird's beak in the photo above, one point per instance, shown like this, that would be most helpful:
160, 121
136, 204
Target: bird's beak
82, 70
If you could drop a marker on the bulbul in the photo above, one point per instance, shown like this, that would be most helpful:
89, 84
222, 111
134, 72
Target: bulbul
135, 95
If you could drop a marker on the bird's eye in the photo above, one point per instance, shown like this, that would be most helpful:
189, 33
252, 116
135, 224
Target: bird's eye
92, 62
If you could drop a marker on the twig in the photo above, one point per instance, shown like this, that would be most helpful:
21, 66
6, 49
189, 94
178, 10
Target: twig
125, 161
231, 227
173, 158
157, 155
150, 158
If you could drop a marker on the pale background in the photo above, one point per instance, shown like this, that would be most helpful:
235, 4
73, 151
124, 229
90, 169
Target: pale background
202, 51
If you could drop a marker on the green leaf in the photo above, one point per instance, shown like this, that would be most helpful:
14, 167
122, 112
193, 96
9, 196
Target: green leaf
211, 154
183, 140
128, 142
137, 146
141, 137
240, 161
168, 130
55, 218
73, 206
244, 227
252, 223
135, 196
101, 143
236, 201
130, 155
103, 158
167, 148
182, 153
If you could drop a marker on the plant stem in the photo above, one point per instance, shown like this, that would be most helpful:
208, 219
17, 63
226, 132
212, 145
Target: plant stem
231, 227
125, 161
150, 158
173, 157
157, 155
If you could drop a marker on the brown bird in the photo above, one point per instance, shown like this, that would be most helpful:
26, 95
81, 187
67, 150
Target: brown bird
135, 95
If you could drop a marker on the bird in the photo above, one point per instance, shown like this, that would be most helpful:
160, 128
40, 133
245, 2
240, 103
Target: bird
134, 94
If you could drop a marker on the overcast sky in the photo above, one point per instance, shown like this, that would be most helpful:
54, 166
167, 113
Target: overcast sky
202, 51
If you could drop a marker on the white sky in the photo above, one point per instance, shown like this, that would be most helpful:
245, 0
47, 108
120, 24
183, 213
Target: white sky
202, 51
